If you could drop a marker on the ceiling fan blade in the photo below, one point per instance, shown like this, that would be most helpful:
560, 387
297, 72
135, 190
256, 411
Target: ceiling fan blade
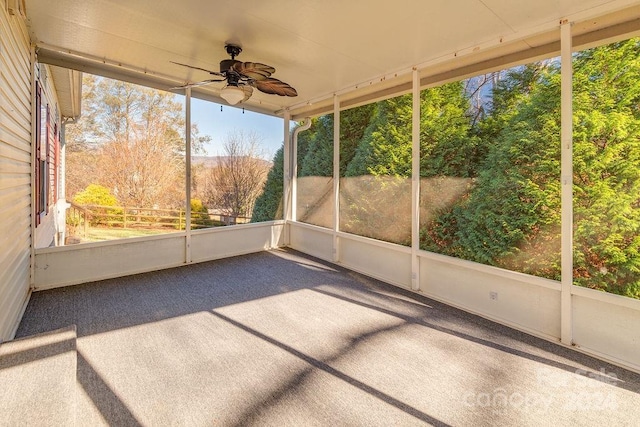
275, 87
254, 70
202, 83
197, 68
248, 91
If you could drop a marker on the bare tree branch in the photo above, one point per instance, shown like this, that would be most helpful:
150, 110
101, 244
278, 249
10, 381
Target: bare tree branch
237, 179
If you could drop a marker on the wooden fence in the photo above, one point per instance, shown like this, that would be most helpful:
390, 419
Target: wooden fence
79, 217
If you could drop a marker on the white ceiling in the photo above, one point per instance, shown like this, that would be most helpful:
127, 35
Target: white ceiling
320, 47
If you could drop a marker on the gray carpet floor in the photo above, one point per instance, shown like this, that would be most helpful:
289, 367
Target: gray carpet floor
282, 339
38, 379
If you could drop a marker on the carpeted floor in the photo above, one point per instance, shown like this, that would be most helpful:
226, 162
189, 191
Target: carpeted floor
38, 379
282, 339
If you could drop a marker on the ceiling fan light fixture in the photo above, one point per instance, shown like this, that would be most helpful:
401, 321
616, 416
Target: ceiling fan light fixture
232, 94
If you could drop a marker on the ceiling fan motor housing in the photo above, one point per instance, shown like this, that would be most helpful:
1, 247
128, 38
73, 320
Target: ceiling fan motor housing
226, 64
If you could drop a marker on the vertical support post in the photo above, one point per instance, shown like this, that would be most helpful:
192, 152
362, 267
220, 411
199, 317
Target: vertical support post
566, 326
62, 161
86, 223
32, 207
187, 217
415, 183
61, 204
294, 176
286, 191
336, 178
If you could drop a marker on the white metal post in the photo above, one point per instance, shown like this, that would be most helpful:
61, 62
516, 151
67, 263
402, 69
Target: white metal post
187, 121
286, 191
294, 176
415, 183
61, 203
336, 178
566, 329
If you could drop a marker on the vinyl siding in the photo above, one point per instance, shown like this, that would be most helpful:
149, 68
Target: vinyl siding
15, 171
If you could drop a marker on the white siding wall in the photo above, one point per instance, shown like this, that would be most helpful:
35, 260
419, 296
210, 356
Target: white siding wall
15, 170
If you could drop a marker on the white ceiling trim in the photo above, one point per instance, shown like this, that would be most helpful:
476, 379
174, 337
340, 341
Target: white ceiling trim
65, 58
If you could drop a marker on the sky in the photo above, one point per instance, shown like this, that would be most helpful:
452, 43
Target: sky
218, 124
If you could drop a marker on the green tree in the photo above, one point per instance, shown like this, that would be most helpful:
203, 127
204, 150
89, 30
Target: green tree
378, 174
385, 148
451, 153
353, 125
268, 205
318, 155
95, 197
200, 215
607, 168
315, 172
448, 145
95, 194
305, 141
510, 217
318, 160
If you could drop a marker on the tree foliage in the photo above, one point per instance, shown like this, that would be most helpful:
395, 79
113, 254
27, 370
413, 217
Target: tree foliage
268, 206
607, 168
385, 148
448, 145
315, 148
131, 140
490, 168
516, 193
95, 194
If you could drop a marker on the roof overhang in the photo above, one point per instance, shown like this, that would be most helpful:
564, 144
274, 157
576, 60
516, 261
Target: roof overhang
68, 84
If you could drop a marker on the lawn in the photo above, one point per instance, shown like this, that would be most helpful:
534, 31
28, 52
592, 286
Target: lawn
98, 234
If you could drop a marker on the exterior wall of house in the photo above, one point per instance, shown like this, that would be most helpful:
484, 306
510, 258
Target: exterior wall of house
25, 158
15, 170
47, 152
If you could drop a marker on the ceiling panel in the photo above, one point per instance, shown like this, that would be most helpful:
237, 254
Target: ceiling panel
527, 14
319, 47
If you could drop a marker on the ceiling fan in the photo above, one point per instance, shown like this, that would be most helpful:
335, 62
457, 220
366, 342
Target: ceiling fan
241, 78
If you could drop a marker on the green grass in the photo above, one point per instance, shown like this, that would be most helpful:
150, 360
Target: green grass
98, 234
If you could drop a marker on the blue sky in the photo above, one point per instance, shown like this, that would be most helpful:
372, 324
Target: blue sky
218, 124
